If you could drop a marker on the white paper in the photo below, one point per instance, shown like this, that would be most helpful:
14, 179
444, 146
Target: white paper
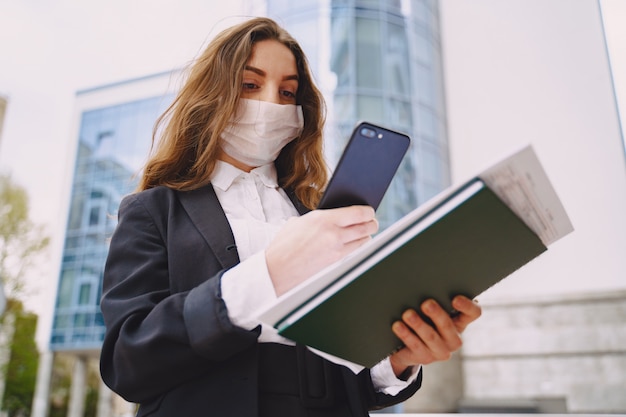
522, 184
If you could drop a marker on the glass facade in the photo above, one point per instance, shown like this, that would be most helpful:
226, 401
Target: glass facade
374, 60
112, 145
379, 61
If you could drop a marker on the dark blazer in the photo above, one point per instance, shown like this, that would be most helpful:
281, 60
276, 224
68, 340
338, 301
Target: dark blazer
169, 344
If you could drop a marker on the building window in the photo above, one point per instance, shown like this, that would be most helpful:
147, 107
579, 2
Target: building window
368, 54
84, 294
112, 144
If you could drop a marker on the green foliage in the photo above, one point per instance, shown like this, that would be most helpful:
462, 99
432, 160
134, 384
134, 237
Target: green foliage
21, 240
21, 243
91, 402
21, 371
61, 386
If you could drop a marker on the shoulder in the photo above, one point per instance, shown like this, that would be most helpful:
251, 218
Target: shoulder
150, 196
163, 201
153, 205
160, 196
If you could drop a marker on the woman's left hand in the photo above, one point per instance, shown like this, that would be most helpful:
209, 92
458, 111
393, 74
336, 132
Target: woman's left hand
425, 343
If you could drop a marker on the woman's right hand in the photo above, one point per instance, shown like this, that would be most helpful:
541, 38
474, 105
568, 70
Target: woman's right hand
307, 244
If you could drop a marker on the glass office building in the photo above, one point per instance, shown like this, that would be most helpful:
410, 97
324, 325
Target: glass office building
113, 141
374, 60
378, 61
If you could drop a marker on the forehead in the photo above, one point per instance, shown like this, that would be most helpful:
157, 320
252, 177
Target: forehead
272, 55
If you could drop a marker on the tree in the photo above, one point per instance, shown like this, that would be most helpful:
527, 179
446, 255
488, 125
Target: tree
61, 385
21, 371
21, 243
21, 240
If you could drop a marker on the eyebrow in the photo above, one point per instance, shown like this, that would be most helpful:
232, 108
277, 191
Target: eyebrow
263, 73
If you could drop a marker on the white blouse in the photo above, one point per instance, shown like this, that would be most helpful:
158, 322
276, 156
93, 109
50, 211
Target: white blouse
256, 208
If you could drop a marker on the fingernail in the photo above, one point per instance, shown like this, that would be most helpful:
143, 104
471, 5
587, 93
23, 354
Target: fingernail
409, 315
428, 306
397, 327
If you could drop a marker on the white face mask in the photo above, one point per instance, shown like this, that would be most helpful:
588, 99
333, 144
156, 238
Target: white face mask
260, 130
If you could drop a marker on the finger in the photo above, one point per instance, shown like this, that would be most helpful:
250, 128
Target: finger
358, 231
444, 324
348, 216
469, 311
414, 350
351, 246
429, 336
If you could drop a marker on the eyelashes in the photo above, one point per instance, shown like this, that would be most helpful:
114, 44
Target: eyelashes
252, 87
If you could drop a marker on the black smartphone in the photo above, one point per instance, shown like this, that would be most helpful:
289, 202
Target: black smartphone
366, 167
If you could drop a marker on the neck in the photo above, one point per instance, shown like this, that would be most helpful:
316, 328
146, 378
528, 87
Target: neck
237, 164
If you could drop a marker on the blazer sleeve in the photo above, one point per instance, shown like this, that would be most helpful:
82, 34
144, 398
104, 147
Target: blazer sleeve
156, 338
377, 400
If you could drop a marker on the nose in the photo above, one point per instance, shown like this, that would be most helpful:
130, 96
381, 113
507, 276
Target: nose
270, 94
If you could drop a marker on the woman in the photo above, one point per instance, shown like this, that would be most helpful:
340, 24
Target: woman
223, 223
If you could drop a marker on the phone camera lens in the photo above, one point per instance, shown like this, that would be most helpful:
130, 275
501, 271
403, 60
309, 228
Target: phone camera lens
368, 133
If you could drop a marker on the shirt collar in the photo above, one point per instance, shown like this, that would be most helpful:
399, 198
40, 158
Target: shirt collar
226, 174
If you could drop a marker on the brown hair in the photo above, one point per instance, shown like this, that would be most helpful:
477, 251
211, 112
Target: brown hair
190, 129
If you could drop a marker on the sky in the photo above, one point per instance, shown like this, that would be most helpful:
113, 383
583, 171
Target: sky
49, 50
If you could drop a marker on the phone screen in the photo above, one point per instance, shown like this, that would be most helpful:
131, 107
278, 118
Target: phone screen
366, 167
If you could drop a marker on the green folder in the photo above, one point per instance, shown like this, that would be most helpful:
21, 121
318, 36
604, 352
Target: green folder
467, 250
462, 241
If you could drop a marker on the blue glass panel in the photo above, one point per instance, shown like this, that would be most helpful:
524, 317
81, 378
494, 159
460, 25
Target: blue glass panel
369, 57
113, 143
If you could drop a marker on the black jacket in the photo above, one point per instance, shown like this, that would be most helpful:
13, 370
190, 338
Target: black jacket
169, 344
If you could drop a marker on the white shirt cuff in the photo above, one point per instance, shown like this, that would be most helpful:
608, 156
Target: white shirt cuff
385, 380
246, 288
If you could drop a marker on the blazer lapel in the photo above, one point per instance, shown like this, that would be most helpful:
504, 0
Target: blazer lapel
302, 209
207, 214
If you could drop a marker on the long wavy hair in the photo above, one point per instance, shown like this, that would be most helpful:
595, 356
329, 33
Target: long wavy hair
186, 137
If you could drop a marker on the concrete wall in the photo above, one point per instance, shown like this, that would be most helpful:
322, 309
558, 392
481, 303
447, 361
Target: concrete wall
569, 348
536, 71
442, 388
553, 335
564, 354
